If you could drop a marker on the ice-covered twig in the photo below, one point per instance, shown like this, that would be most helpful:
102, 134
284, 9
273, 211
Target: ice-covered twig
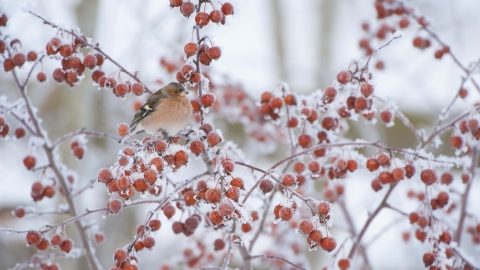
271, 257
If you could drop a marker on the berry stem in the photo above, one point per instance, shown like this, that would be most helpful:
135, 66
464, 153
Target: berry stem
369, 221
458, 234
197, 64
89, 133
227, 256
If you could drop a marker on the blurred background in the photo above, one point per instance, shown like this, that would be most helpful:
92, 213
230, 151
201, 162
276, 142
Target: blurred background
304, 43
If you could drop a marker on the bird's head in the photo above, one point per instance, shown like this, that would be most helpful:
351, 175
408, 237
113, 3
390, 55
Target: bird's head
175, 89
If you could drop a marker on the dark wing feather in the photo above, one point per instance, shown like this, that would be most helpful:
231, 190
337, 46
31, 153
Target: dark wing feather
147, 108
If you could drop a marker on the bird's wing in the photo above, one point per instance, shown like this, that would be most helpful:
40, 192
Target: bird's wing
150, 106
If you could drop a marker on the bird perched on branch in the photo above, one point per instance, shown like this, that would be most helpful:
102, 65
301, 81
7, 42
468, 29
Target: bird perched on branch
166, 111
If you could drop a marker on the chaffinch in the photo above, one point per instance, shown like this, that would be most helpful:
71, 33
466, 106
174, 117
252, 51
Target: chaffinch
167, 110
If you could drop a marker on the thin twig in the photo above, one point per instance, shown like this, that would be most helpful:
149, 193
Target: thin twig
271, 257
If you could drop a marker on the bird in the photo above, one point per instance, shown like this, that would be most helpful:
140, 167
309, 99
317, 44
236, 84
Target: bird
167, 110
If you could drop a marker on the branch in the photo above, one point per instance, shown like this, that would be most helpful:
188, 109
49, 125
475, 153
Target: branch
369, 221
458, 234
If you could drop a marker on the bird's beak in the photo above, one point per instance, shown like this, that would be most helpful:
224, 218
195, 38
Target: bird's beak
184, 93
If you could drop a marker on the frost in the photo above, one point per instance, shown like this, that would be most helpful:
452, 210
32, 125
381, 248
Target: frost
64, 208
437, 141
36, 141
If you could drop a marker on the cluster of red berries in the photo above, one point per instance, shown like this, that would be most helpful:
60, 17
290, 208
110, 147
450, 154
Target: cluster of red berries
42, 242
202, 18
315, 237
78, 149
475, 232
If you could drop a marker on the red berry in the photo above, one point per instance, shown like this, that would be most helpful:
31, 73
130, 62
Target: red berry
266, 96
19, 59
446, 237
207, 100
119, 255
66, 50
344, 264
169, 211
3, 20
100, 59
366, 89
207, 128
213, 139
219, 244
149, 242
216, 16
398, 174
323, 208
78, 152
90, 61
305, 226
214, 52
361, 103
187, 9
376, 185
49, 192
428, 259
56, 240
413, 217
227, 8
58, 75
383, 160
446, 178
205, 59
111, 83
66, 245
190, 49
96, 75
344, 77
202, 19
176, 3
266, 186
372, 164
41, 77
123, 129
305, 140
226, 210
115, 206
352, 165
213, 195
33, 238
328, 244
288, 179
237, 182
197, 147
190, 198
329, 123
286, 213
29, 162
290, 100
428, 176
20, 132
314, 238
43, 245
19, 212
463, 93
8, 65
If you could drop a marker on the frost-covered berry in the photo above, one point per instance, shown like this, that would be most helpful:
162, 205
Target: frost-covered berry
266, 186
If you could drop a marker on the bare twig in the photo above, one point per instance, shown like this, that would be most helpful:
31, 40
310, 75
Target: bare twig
271, 257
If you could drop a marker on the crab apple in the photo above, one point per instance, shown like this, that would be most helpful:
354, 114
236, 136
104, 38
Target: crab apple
189, 198
409, 170
383, 160
90, 61
428, 259
456, 142
465, 178
49, 192
19, 59
266, 186
237, 182
420, 235
213, 195
398, 174
207, 100
329, 123
289, 179
29, 162
115, 206
344, 264
215, 218
51, 49
446, 178
213, 139
41, 77
66, 50
205, 59
197, 147
352, 165
305, 140
181, 157
169, 211
314, 238
344, 77
123, 129
428, 176
372, 164
233, 193
305, 226
376, 185
33, 238
214, 52
413, 217
227, 8
137, 89
328, 244
43, 245
78, 152
314, 166
218, 244
175, 3
66, 245
190, 49
19, 212
386, 116
463, 93
265, 97
366, 90
361, 103
20, 132
446, 237
286, 213
119, 255
58, 75
56, 240
202, 19
323, 208
329, 95
96, 75
216, 16
187, 9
